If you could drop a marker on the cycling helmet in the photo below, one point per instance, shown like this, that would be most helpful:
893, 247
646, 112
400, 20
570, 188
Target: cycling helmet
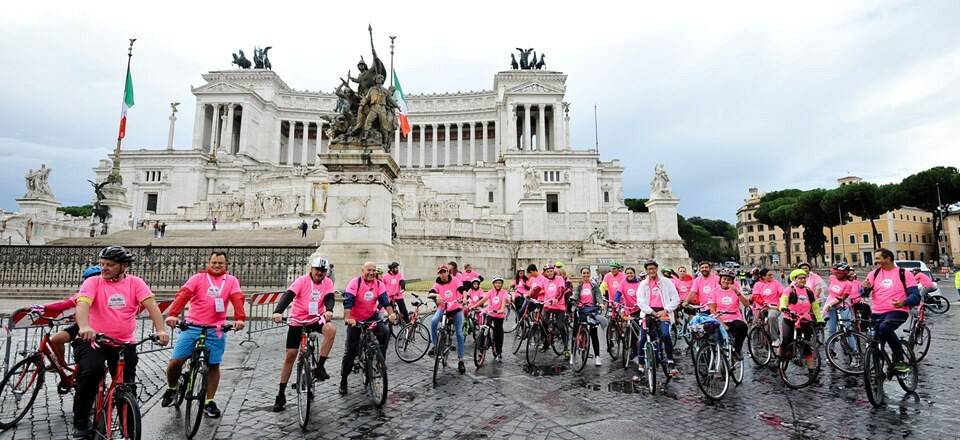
379, 271
497, 278
803, 263
443, 268
320, 263
797, 273
650, 262
841, 267
559, 264
614, 264
726, 272
667, 272
91, 271
548, 266
117, 254
393, 265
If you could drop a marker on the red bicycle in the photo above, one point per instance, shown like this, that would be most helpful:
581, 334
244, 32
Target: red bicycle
22, 383
117, 411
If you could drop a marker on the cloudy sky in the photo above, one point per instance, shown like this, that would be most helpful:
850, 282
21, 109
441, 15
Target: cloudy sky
727, 94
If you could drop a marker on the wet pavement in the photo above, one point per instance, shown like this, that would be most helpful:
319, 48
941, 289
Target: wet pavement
510, 401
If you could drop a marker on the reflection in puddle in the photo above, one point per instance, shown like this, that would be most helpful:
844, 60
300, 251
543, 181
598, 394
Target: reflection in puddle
538, 371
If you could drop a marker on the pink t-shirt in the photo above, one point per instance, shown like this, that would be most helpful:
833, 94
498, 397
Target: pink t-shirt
613, 283
628, 295
683, 286
469, 276
553, 297
767, 294
366, 297
728, 304
924, 280
704, 288
656, 294
114, 306
475, 296
392, 282
803, 306
308, 302
210, 296
586, 294
814, 281
448, 294
495, 300
838, 289
887, 289
521, 287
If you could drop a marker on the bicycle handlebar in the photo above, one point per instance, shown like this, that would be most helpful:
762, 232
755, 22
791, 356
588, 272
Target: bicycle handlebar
105, 340
183, 325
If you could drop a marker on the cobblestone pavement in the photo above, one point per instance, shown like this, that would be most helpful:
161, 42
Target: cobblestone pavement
507, 401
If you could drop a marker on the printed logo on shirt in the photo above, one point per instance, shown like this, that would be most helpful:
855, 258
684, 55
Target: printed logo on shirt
631, 292
315, 295
886, 284
393, 281
552, 287
683, 288
447, 294
213, 291
368, 296
767, 291
496, 300
726, 300
117, 301
835, 288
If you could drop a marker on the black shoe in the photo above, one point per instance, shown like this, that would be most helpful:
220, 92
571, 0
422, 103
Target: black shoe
81, 429
461, 368
279, 403
211, 410
431, 352
168, 397
343, 386
320, 373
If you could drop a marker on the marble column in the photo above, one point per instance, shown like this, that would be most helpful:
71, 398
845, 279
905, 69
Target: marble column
433, 142
460, 157
483, 142
542, 127
410, 148
199, 120
279, 146
320, 148
306, 143
396, 145
526, 127
558, 141
423, 146
229, 136
291, 139
214, 127
473, 147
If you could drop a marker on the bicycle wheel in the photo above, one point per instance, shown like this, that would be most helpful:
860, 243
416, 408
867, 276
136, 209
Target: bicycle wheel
908, 381
921, 341
376, 374
195, 397
626, 348
182, 384
557, 341
581, 347
480, 348
613, 341
124, 418
510, 319
413, 342
874, 375
735, 367
937, 304
304, 385
439, 354
794, 369
650, 366
845, 357
759, 344
19, 390
523, 329
713, 379
535, 344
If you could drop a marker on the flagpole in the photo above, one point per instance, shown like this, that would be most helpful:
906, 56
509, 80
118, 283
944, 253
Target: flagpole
115, 173
392, 37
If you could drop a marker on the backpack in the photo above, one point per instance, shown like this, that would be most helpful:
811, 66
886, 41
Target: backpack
903, 280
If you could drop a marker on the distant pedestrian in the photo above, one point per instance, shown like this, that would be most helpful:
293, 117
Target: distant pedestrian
303, 228
783, 276
156, 230
214, 222
163, 229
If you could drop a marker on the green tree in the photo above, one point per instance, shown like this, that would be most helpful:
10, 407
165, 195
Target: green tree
701, 242
866, 200
77, 211
636, 205
920, 190
779, 209
717, 228
832, 206
813, 219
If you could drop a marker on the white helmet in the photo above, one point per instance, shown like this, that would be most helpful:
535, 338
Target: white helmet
320, 263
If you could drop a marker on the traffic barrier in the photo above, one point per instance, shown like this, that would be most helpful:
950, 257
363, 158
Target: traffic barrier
258, 317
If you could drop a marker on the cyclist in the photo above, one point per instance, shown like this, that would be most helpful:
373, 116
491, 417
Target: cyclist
396, 288
469, 275
766, 294
208, 293
455, 274
724, 303
362, 298
588, 303
612, 280
658, 296
840, 292
519, 289
552, 289
801, 302
894, 291
312, 298
449, 299
627, 296
59, 340
703, 286
956, 279
495, 301
474, 295
814, 281
533, 274
108, 304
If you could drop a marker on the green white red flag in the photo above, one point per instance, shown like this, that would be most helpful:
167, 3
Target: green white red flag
127, 103
402, 106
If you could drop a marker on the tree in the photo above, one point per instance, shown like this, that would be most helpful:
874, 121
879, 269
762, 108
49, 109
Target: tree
779, 209
813, 219
832, 206
636, 205
920, 190
716, 228
701, 243
77, 211
865, 200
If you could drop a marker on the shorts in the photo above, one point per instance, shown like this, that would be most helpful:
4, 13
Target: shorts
185, 341
294, 334
71, 330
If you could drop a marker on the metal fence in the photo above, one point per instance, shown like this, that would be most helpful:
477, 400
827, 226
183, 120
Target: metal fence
258, 319
164, 268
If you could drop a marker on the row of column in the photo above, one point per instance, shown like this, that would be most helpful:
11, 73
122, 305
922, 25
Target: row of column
288, 157
526, 138
486, 145
221, 124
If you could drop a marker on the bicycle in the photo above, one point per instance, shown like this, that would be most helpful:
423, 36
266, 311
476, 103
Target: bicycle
712, 360
919, 334
23, 381
307, 362
484, 341
878, 368
758, 339
796, 353
413, 339
615, 331
937, 304
192, 384
654, 354
524, 321
117, 409
442, 348
510, 317
541, 335
845, 348
370, 362
629, 340
470, 324
580, 348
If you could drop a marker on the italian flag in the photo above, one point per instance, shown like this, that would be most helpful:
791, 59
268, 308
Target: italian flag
127, 103
402, 104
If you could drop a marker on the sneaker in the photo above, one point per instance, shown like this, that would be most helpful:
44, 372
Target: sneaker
211, 410
168, 397
640, 368
461, 368
571, 360
279, 403
498, 358
81, 429
855, 363
320, 373
432, 351
597, 361
635, 359
343, 386
901, 367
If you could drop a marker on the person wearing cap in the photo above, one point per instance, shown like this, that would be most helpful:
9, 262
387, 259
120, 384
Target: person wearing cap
841, 294
396, 288
313, 299
613, 280
799, 302
658, 297
552, 289
814, 280
449, 297
496, 310
363, 298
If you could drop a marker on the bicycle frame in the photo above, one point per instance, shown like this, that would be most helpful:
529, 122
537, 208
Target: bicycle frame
105, 393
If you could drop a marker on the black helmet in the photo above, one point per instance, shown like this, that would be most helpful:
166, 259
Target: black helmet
117, 254
393, 265
726, 272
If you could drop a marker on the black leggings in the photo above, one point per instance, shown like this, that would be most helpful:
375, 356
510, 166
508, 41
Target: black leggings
737, 329
558, 319
497, 324
786, 334
353, 347
90, 364
401, 305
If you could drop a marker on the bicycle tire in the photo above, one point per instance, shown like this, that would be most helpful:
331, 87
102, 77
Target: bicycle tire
909, 380
556, 342
510, 320
408, 340
438, 354
920, 341
938, 305
874, 375
304, 382
19, 373
708, 371
626, 347
376, 375
125, 417
182, 385
837, 345
613, 342
734, 367
521, 336
650, 366
758, 343
538, 337
582, 347
480, 348
196, 395
788, 367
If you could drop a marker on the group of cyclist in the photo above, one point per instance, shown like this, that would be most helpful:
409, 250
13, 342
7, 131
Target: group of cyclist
110, 300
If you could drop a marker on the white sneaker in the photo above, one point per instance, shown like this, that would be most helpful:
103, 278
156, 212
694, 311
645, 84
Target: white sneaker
640, 368
635, 360
596, 361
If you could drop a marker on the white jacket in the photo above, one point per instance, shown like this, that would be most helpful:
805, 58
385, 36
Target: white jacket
668, 296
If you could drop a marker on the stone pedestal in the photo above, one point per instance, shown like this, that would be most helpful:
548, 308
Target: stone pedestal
532, 212
116, 198
38, 206
663, 213
357, 226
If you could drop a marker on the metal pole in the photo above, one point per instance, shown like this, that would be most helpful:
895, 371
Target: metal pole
843, 245
596, 136
115, 173
392, 37
941, 236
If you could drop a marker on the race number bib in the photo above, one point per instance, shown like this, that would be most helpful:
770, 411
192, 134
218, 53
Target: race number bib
213, 291
219, 306
314, 308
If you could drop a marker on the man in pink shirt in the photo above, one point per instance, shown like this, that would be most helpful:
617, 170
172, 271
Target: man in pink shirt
613, 280
108, 304
396, 287
894, 290
208, 293
363, 298
703, 286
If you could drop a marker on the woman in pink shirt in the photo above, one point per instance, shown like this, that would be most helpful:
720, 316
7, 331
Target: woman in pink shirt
766, 294
588, 297
725, 303
553, 290
494, 305
799, 302
396, 287
449, 300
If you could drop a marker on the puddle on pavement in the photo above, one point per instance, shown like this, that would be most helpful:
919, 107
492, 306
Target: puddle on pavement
538, 371
625, 387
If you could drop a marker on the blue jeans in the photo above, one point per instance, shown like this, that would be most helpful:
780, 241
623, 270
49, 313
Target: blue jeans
834, 315
457, 325
885, 327
664, 339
